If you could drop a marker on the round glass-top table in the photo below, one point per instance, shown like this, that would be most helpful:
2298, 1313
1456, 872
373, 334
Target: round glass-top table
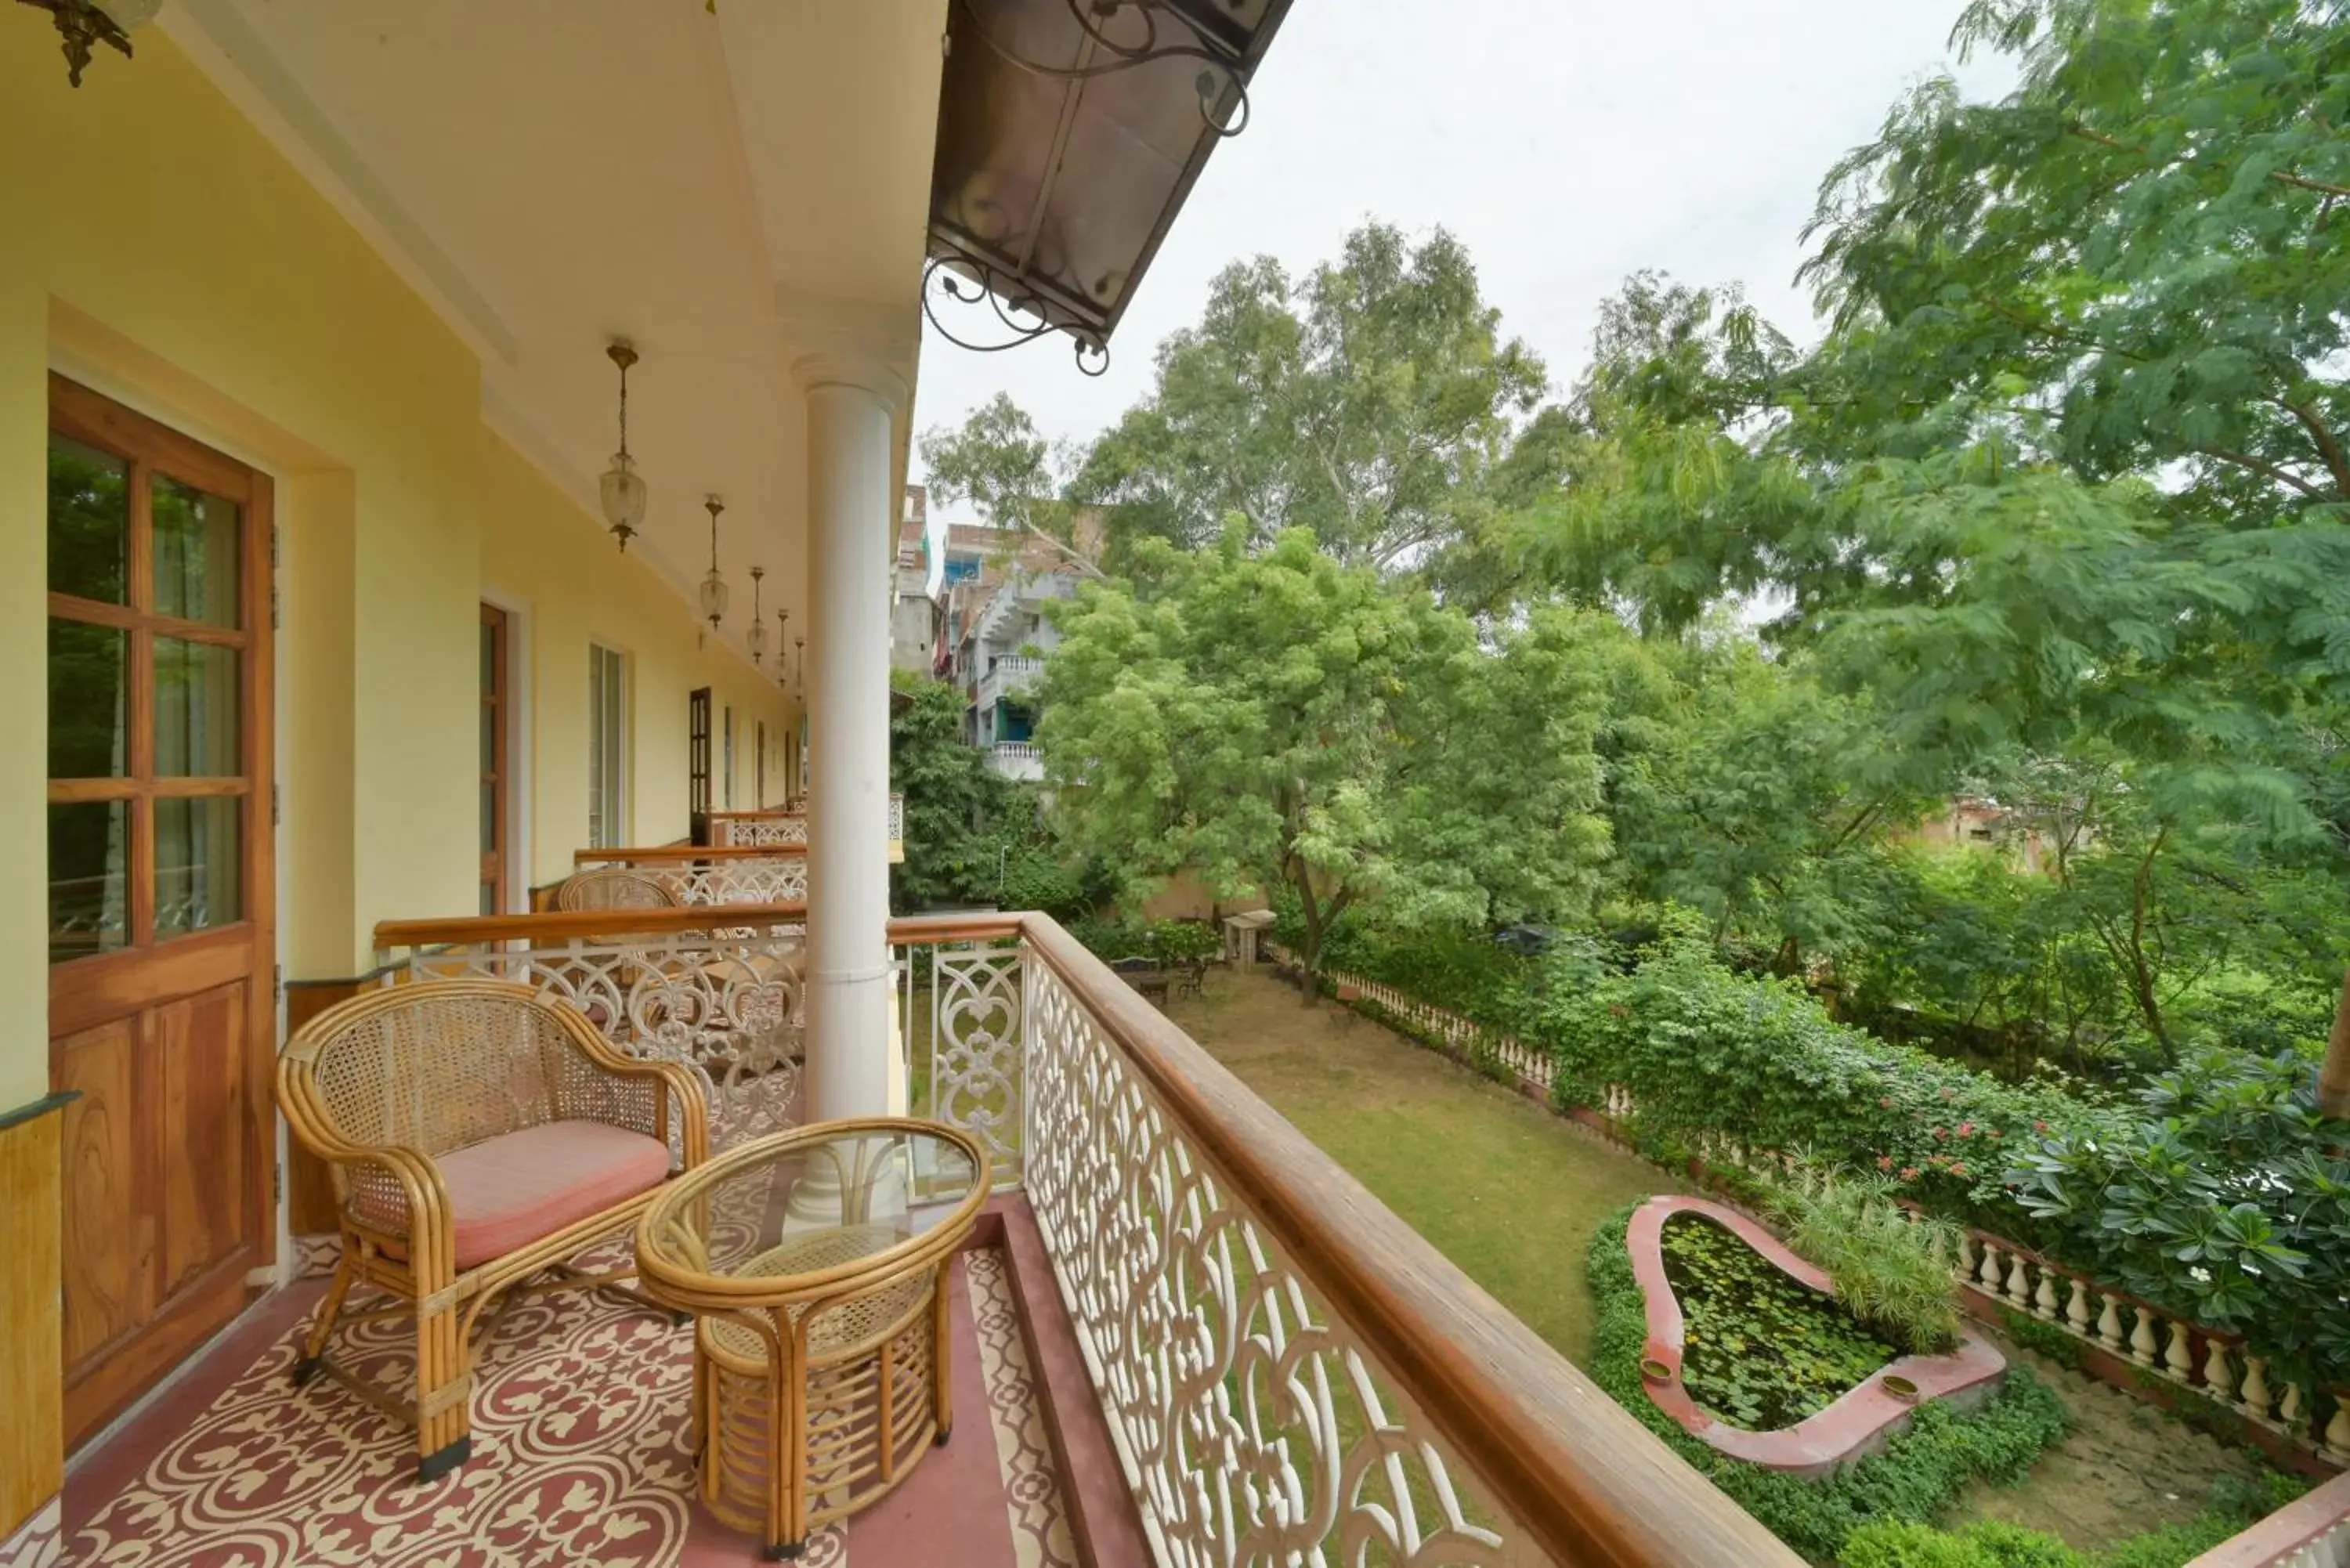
813, 1261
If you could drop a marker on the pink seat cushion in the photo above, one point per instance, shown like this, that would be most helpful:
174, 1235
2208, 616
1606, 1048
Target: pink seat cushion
509, 1190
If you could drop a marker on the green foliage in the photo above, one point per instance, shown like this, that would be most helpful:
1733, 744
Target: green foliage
1172, 942
1761, 1352
1891, 1270
2045, 1339
1991, 1543
1921, 1470
957, 809
1368, 403
1010, 474
1988, 1545
1283, 719
2221, 1199
1705, 1050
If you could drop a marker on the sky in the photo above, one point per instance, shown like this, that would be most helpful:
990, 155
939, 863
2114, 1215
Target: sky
1565, 142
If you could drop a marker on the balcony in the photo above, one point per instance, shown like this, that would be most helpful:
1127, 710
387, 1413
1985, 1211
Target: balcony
1019, 760
1013, 675
1193, 1338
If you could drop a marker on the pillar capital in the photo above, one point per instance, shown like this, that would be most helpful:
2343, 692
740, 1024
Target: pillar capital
831, 341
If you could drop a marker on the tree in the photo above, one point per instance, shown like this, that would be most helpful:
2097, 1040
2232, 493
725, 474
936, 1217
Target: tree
1000, 462
1368, 403
1286, 719
956, 805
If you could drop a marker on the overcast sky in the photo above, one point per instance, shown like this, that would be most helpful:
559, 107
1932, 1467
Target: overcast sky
1566, 144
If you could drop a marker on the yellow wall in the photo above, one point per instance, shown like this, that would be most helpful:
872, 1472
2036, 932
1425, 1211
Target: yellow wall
175, 261
549, 561
155, 246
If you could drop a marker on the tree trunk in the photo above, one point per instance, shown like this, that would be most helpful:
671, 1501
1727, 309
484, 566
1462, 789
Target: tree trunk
2334, 1078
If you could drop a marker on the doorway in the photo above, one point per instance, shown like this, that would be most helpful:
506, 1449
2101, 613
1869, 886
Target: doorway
161, 890
497, 685
697, 763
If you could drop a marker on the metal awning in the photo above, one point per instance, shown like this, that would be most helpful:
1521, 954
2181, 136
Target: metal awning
1069, 133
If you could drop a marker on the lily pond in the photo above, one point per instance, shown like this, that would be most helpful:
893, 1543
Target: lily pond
1759, 1350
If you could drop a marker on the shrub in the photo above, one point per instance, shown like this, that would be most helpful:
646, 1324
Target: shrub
1891, 1272
1921, 1470
1989, 1545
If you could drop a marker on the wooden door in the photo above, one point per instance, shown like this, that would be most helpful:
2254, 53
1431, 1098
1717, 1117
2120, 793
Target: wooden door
161, 889
759, 770
494, 789
697, 762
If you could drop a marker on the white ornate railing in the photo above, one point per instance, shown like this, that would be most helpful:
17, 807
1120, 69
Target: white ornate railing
773, 829
730, 830
958, 1005
1271, 1346
730, 877
728, 1005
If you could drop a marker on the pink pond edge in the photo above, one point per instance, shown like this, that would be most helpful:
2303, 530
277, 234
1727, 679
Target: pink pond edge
1856, 1426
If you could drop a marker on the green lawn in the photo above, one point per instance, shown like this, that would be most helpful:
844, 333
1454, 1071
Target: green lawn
1494, 1182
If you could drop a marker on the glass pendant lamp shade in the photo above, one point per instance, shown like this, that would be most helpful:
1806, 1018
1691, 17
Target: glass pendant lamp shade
621, 490
758, 637
129, 15
713, 586
623, 494
783, 656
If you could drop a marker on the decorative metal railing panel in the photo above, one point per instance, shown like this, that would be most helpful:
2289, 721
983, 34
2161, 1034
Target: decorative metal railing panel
959, 1006
760, 832
1257, 1428
728, 1006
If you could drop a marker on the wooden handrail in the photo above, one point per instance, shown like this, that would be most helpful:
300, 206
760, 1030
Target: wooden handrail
763, 814
2285, 1531
915, 930
665, 854
1585, 1478
567, 925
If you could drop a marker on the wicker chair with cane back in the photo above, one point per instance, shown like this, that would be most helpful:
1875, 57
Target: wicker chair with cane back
480, 1136
615, 888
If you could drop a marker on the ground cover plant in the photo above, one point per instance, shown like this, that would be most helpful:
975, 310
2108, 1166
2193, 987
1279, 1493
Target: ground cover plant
1760, 1350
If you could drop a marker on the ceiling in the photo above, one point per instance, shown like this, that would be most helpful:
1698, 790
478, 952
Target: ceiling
731, 191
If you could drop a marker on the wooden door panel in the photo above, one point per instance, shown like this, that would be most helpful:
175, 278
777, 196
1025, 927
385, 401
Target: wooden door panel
109, 1236
206, 1177
159, 1006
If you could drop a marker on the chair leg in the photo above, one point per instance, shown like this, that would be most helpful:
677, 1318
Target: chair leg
314, 1352
444, 1388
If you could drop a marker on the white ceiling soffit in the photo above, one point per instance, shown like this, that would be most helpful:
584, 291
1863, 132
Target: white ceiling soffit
730, 193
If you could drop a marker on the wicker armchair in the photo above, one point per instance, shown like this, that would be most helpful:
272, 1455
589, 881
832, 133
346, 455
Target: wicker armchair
615, 888
480, 1136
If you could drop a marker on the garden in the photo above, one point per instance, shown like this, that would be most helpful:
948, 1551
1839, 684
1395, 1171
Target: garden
1915, 757
2057, 1461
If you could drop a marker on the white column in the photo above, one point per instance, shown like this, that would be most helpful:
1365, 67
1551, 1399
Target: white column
851, 531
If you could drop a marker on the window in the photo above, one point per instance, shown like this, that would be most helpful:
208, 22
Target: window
759, 761
728, 758
608, 746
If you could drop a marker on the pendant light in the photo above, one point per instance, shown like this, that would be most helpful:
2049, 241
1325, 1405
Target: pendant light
623, 494
713, 586
758, 619
783, 658
799, 680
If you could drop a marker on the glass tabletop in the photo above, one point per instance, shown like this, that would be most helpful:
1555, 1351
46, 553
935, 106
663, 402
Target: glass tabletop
810, 1201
